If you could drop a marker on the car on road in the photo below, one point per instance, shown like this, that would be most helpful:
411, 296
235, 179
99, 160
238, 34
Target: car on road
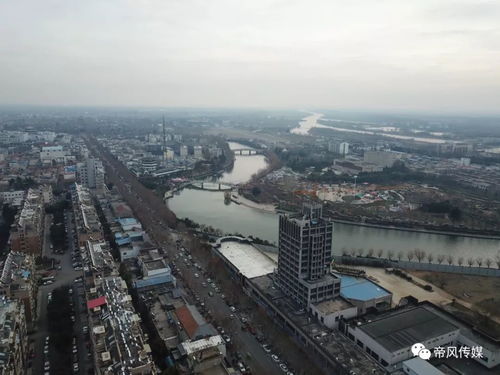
267, 348
75, 350
75, 368
232, 309
46, 349
275, 358
46, 366
210, 294
227, 339
196, 275
283, 367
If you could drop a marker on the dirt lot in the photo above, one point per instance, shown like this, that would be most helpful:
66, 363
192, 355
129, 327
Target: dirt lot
480, 291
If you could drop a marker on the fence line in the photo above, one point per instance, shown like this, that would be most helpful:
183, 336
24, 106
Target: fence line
420, 266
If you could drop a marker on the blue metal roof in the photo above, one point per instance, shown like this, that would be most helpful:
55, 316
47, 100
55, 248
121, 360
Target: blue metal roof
360, 288
128, 221
122, 241
153, 281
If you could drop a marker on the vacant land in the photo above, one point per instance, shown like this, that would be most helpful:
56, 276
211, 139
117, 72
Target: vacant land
481, 292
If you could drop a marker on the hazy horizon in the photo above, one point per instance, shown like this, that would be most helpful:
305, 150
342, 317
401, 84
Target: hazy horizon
431, 56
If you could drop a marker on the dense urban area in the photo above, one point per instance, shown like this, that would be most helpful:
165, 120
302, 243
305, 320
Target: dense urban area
248, 242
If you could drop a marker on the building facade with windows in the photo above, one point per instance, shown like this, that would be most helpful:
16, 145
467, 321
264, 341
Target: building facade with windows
304, 257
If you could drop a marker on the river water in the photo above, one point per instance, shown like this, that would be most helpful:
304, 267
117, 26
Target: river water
311, 121
208, 207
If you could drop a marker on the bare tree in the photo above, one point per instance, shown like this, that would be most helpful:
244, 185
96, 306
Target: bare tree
344, 251
400, 255
430, 257
370, 252
361, 251
488, 262
440, 258
470, 261
380, 252
497, 260
419, 254
352, 252
479, 261
410, 255
450, 259
460, 261
390, 254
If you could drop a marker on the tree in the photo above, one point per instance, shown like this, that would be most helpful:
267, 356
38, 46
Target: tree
419, 254
479, 261
380, 252
353, 252
450, 259
370, 252
400, 255
390, 254
344, 251
360, 251
460, 261
470, 261
256, 191
410, 255
440, 258
488, 262
430, 257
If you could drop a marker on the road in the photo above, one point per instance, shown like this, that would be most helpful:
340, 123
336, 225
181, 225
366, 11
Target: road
154, 215
65, 276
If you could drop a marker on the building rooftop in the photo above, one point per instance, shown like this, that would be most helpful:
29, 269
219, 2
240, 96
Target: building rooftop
360, 288
401, 329
333, 305
246, 258
419, 366
202, 344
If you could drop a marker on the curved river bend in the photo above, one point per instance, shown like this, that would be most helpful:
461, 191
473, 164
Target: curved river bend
208, 207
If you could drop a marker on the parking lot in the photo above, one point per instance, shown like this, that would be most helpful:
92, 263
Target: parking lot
65, 274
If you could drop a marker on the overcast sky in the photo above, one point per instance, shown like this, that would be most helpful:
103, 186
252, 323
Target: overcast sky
363, 54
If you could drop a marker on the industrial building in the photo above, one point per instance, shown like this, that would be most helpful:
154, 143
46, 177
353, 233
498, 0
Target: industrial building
389, 336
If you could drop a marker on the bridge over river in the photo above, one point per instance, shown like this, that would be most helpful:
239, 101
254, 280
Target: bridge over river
247, 151
212, 186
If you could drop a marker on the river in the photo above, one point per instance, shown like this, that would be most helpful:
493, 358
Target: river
208, 207
311, 121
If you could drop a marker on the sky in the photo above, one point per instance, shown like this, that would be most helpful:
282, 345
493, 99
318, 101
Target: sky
423, 55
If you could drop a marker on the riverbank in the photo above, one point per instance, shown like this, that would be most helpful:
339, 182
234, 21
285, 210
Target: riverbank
240, 199
417, 230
